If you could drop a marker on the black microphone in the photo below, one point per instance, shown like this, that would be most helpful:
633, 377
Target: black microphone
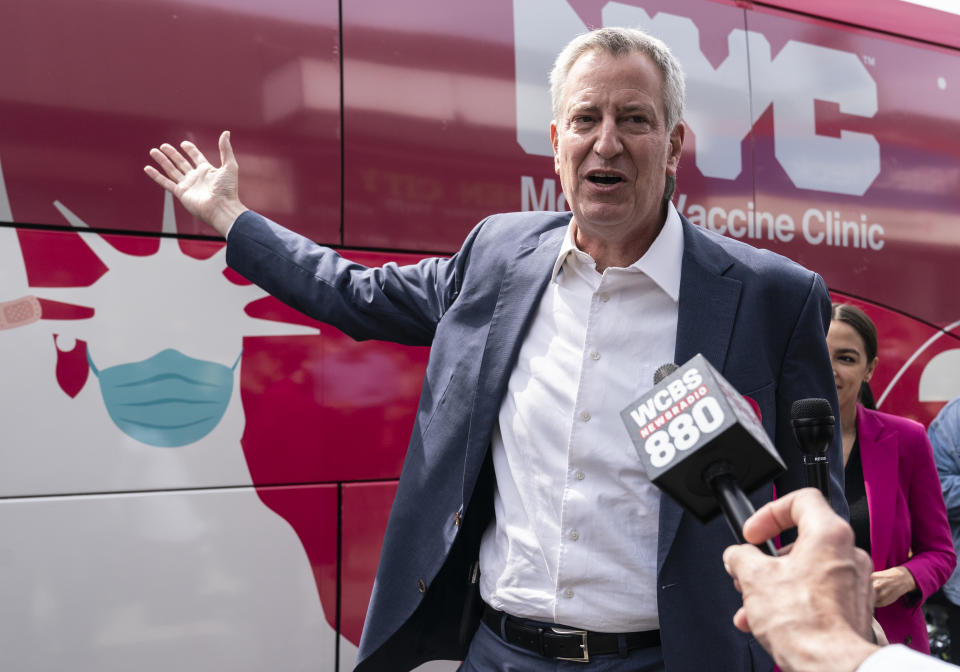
813, 424
701, 443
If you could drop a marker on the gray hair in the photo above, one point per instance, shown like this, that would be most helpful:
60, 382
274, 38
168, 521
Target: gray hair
620, 42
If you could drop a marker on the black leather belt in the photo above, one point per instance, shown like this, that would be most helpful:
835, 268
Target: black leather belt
561, 642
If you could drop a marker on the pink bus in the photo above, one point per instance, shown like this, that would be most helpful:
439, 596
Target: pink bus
192, 475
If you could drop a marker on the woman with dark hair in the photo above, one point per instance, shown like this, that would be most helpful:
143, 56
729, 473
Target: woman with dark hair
896, 506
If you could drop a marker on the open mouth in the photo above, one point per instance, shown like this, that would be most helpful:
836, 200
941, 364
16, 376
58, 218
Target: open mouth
600, 178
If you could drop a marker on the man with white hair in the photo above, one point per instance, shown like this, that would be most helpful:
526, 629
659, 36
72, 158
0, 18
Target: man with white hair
524, 534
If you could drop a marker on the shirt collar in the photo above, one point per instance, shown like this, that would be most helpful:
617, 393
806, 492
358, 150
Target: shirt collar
661, 262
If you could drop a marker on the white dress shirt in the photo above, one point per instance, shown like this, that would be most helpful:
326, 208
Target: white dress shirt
574, 540
898, 658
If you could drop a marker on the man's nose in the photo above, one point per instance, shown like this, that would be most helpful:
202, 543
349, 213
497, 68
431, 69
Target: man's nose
608, 143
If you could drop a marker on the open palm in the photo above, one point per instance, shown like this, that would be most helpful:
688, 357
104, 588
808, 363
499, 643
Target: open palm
207, 192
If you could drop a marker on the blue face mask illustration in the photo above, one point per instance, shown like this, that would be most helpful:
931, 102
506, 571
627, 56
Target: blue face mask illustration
168, 400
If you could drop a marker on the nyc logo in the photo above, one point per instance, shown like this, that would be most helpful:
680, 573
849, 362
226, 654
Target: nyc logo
722, 106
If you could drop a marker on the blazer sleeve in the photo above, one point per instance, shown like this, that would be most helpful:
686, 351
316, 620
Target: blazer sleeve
806, 373
944, 438
402, 304
931, 543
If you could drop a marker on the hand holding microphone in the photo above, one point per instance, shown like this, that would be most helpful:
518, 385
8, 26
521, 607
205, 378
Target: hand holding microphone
811, 609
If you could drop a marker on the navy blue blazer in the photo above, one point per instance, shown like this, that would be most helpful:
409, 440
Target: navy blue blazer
758, 317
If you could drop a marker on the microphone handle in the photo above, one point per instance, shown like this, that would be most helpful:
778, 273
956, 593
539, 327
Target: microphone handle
815, 473
734, 504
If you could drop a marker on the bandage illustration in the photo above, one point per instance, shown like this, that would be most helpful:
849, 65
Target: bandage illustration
19, 312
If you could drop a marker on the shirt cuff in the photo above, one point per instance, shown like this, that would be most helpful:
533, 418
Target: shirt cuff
897, 657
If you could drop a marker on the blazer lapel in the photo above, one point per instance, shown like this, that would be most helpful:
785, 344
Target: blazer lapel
524, 281
878, 454
707, 313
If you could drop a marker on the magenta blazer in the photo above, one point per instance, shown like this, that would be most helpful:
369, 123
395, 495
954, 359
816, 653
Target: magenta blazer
908, 519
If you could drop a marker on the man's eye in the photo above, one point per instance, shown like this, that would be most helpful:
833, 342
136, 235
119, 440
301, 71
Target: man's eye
638, 119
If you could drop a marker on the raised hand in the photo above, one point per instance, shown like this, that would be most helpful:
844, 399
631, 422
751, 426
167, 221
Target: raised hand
207, 192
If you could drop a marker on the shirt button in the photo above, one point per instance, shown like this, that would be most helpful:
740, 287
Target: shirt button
604, 298
595, 355
568, 593
585, 416
580, 475
574, 535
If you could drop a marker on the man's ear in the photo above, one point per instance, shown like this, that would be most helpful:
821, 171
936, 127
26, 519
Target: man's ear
555, 141
675, 147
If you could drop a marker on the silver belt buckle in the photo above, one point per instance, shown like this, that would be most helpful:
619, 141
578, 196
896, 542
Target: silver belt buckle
583, 644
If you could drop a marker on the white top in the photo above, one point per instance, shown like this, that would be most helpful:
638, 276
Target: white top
574, 540
898, 658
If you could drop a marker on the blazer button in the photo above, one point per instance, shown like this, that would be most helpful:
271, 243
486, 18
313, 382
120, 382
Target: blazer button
421, 586
908, 640
456, 519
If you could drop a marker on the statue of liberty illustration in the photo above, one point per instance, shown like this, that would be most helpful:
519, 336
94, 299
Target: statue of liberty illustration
132, 536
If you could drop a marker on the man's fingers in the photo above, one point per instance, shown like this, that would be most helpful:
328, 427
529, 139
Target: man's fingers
195, 154
155, 175
740, 620
226, 150
176, 158
800, 508
171, 170
740, 561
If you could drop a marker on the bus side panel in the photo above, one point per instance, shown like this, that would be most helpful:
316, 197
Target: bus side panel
91, 86
161, 581
856, 150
